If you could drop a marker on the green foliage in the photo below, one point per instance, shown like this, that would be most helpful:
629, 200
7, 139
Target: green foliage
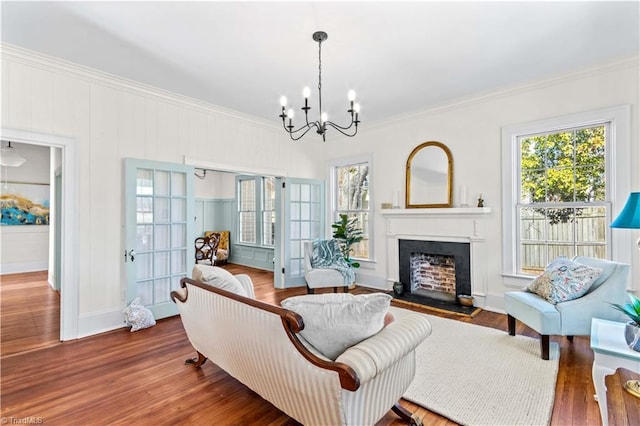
630, 309
347, 233
563, 167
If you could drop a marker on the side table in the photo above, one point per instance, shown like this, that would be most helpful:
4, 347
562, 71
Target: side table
610, 352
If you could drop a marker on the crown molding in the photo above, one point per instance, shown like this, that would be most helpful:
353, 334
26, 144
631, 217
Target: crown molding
91, 75
603, 68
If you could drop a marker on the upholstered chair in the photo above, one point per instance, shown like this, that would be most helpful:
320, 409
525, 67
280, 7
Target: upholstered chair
206, 248
222, 254
320, 277
573, 317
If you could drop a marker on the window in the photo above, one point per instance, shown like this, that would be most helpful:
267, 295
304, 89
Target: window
352, 197
562, 208
247, 211
254, 222
268, 211
558, 191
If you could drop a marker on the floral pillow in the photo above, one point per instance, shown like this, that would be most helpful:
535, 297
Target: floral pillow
564, 280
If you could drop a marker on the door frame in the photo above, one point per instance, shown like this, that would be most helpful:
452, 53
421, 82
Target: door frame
69, 287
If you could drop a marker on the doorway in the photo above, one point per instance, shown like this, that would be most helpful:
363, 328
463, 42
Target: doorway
69, 285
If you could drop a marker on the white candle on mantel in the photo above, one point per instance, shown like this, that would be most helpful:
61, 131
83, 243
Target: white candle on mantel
463, 196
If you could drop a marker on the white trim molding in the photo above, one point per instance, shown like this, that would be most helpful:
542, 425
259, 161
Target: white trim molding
618, 174
70, 286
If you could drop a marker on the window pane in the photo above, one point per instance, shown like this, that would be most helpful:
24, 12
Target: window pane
162, 210
591, 225
248, 227
144, 182
268, 228
178, 184
248, 195
161, 186
161, 263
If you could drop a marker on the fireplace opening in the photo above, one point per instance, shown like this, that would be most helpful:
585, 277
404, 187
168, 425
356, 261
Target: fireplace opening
435, 270
433, 275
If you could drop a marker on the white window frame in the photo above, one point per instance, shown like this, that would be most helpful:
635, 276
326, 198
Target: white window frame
333, 196
618, 176
259, 209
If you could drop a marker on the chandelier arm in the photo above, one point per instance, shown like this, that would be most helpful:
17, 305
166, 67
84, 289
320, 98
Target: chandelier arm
338, 127
341, 129
302, 135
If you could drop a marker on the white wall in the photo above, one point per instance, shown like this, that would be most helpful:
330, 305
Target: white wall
472, 131
25, 248
113, 119
216, 185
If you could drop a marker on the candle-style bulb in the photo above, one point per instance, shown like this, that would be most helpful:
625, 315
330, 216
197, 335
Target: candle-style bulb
283, 101
306, 92
356, 108
290, 113
324, 117
351, 95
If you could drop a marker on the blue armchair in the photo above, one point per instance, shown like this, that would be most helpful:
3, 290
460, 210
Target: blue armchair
571, 318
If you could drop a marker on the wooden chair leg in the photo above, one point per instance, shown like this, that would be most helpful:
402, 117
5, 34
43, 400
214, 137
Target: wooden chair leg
544, 345
511, 324
335, 289
196, 362
310, 290
406, 415
570, 338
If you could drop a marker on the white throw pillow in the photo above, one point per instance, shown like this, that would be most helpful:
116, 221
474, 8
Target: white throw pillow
219, 278
334, 322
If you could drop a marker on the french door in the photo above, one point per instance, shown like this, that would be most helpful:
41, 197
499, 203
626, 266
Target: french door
159, 231
302, 203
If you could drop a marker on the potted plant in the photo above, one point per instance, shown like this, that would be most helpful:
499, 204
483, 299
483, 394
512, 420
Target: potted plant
347, 233
632, 329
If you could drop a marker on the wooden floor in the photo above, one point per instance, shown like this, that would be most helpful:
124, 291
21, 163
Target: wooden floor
140, 378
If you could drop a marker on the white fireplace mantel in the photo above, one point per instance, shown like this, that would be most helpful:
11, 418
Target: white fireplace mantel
458, 224
453, 211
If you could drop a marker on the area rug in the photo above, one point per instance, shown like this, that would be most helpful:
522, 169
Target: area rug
476, 375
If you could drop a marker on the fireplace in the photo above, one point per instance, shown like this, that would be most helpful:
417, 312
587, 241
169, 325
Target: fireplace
457, 232
439, 270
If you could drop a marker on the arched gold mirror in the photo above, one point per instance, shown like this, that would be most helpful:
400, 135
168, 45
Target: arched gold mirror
429, 175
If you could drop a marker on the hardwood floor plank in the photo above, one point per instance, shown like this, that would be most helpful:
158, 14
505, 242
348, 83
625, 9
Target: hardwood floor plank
140, 378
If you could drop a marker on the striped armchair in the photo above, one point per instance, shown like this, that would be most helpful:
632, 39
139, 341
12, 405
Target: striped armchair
257, 343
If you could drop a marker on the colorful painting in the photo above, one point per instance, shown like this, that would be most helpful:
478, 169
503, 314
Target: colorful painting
24, 204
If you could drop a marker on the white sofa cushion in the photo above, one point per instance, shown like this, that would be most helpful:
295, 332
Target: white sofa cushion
334, 322
218, 277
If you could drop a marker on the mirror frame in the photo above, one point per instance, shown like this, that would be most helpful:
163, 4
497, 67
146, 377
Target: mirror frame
408, 203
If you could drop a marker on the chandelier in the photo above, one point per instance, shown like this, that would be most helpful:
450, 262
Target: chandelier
321, 125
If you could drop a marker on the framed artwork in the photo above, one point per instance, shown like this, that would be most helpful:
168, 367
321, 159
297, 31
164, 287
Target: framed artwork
24, 203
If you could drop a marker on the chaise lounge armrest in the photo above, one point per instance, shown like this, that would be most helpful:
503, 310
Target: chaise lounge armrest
375, 354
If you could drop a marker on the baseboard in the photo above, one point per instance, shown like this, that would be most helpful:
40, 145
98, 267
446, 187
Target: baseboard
100, 322
16, 268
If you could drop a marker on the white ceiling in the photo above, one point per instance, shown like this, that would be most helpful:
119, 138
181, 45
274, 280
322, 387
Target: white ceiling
400, 57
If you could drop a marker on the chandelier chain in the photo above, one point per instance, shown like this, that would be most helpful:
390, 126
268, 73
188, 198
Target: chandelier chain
320, 76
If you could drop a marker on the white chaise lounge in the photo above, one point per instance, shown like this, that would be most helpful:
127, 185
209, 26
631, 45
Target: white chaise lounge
258, 344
